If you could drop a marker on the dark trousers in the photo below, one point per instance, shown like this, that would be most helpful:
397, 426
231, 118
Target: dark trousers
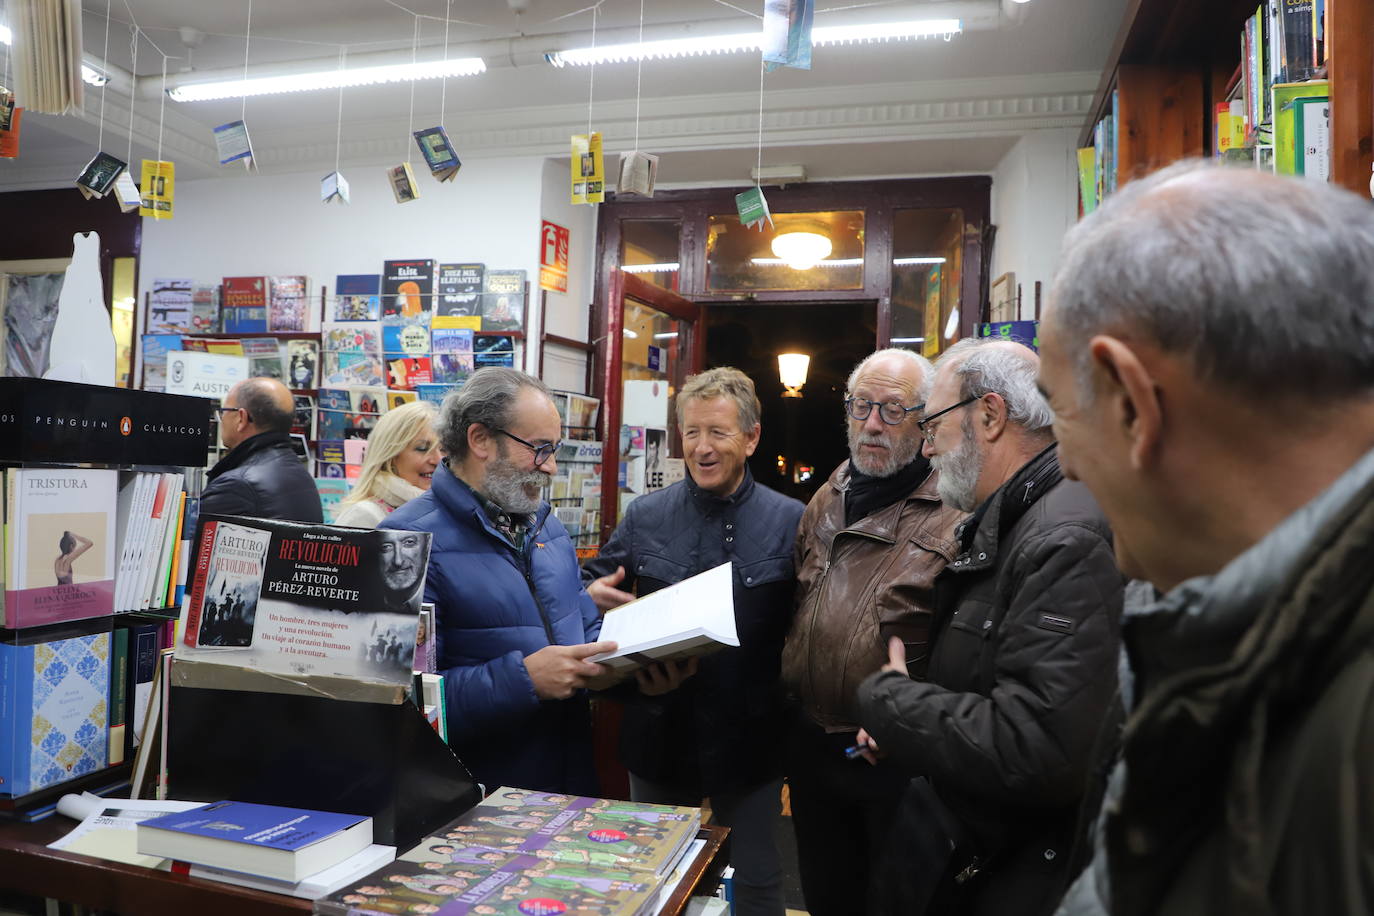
842, 811
751, 815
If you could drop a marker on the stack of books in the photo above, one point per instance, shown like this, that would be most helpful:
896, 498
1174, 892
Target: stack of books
284, 850
521, 851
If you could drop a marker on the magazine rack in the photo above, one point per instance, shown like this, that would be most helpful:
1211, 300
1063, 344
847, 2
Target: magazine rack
376, 759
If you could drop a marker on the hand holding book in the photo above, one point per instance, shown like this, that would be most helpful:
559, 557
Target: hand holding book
558, 671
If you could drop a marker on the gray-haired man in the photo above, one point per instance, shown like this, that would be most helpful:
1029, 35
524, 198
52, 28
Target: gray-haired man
1212, 373
1022, 667
514, 624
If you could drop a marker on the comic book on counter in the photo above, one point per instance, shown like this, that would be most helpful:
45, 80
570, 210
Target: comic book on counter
295, 608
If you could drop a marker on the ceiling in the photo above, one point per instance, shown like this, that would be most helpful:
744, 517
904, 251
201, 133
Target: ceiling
920, 107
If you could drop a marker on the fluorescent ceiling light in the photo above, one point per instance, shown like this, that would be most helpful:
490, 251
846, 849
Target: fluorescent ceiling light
665, 268
92, 76
827, 262
952, 325
903, 262
750, 41
907, 340
668, 336
6, 36
628, 333
327, 79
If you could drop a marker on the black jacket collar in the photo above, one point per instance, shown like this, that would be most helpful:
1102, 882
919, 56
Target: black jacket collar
246, 449
707, 500
1003, 509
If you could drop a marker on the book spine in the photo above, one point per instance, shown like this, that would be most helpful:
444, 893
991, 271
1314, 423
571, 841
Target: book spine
11, 497
143, 663
9, 710
119, 689
23, 674
202, 574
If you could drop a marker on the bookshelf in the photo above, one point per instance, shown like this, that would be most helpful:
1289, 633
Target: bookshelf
1173, 59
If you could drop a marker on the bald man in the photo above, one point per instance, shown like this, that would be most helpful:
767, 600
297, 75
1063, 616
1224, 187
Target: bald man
260, 477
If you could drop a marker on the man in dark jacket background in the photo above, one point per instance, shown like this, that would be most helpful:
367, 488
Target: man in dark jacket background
718, 733
1023, 661
514, 626
1210, 359
260, 477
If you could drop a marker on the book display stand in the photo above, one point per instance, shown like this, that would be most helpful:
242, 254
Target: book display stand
378, 759
65, 435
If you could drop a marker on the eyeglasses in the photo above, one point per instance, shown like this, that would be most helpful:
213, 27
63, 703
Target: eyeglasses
928, 426
890, 412
222, 410
542, 453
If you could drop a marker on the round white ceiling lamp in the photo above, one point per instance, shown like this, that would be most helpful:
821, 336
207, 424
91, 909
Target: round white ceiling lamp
801, 250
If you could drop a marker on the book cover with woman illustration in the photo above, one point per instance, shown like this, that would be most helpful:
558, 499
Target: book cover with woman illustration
61, 526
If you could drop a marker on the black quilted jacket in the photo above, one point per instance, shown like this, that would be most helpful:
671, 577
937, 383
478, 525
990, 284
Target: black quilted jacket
262, 478
720, 731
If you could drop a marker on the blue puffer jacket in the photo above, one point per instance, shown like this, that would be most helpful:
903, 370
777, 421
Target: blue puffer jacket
494, 606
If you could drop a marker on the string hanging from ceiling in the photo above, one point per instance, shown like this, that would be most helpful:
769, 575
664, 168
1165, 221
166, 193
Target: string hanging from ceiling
104, 62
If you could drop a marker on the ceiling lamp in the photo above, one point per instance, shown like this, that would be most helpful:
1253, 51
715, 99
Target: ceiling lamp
327, 79
750, 41
801, 250
792, 372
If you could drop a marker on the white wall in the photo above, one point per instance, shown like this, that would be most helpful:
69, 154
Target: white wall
275, 224
1034, 202
568, 312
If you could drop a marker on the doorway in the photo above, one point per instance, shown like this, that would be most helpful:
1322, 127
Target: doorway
803, 438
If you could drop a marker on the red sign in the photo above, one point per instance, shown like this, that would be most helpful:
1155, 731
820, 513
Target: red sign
553, 257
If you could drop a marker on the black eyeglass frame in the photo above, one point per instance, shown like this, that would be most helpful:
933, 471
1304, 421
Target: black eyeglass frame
542, 453
924, 421
851, 401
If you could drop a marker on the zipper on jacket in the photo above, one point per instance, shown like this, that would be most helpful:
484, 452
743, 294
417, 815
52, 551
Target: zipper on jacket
528, 570
820, 591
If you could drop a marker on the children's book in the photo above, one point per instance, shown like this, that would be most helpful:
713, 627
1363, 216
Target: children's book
357, 297
407, 290
460, 289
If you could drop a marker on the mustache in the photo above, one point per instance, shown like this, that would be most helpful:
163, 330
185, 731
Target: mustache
873, 439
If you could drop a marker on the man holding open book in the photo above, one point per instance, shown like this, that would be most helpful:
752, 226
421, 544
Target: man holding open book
716, 734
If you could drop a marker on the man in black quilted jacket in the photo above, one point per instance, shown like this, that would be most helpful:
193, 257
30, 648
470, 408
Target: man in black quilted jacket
260, 477
1005, 731
718, 733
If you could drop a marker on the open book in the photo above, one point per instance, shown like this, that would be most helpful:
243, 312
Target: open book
693, 617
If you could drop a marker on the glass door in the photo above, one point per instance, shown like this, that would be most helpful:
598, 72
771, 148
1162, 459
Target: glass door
653, 343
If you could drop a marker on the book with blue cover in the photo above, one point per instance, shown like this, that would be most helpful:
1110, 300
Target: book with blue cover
276, 842
54, 711
357, 297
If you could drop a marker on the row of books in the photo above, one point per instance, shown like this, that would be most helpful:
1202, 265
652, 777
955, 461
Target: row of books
409, 291
1097, 164
532, 852
88, 542
76, 699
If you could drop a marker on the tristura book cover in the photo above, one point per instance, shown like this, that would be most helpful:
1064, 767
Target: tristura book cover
294, 601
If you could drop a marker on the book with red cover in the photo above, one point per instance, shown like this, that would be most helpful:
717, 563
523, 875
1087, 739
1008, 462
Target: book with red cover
244, 309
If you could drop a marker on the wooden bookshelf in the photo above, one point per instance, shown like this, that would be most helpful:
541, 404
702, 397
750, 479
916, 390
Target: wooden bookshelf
1172, 59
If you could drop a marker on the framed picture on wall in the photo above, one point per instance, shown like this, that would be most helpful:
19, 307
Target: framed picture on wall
1003, 299
29, 291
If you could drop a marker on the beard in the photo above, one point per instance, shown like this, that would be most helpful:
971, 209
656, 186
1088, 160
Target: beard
901, 450
959, 472
510, 487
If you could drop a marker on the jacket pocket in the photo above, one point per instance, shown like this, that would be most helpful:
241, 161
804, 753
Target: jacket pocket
653, 566
764, 572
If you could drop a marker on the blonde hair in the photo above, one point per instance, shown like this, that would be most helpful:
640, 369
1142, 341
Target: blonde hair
394, 431
723, 382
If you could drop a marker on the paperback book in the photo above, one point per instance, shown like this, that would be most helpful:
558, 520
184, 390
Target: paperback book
333, 409
407, 288
357, 297
169, 306
244, 308
452, 359
304, 359
503, 300
287, 844
402, 180
60, 526
434, 145
204, 309
493, 350
352, 336
276, 604
405, 337
100, 175
264, 357
286, 305
54, 711
460, 289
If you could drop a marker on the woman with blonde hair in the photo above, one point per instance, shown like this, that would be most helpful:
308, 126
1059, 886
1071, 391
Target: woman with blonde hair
402, 453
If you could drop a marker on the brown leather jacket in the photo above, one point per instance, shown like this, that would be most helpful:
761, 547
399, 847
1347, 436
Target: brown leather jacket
859, 586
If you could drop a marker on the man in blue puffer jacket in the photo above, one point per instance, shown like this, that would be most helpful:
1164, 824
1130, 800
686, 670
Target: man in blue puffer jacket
514, 625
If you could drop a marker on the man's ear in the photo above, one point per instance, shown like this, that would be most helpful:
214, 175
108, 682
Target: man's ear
1130, 395
480, 441
990, 416
751, 440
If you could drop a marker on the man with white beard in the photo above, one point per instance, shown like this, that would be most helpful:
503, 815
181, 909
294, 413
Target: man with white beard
1009, 719
514, 624
871, 543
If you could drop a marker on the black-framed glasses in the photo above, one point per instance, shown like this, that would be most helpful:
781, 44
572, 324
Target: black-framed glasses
890, 412
222, 410
929, 430
542, 453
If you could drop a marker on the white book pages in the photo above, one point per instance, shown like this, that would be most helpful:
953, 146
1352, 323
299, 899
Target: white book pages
696, 608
